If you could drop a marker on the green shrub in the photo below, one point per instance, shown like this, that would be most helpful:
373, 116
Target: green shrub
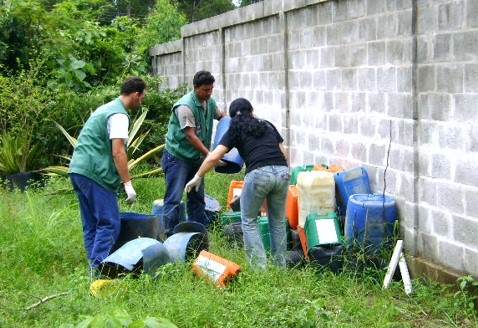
24, 103
159, 104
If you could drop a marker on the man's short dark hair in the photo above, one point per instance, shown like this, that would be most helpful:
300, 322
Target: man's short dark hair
203, 78
133, 84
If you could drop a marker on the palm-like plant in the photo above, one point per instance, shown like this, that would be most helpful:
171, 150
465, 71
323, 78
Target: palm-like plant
16, 153
134, 143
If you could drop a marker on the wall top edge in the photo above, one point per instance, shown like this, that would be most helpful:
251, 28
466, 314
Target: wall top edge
166, 48
242, 15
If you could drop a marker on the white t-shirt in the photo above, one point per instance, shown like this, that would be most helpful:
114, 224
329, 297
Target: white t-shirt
118, 125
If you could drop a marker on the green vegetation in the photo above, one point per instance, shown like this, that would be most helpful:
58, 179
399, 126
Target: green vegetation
42, 255
60, 60
134, 144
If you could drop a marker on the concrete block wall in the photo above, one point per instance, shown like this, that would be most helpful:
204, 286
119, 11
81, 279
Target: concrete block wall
390, 85
254, 59
447, 98
167, 62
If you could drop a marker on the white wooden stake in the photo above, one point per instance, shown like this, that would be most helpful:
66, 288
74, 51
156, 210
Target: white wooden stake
405, 274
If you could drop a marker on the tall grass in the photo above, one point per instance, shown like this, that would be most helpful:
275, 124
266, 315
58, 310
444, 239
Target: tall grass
42, 254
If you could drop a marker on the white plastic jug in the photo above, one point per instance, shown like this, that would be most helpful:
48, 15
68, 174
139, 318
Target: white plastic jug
316, 193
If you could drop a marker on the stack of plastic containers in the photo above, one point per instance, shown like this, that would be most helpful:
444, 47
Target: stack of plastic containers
316, 192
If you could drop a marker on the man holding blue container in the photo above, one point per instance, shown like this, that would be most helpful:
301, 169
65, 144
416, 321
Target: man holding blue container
188, 142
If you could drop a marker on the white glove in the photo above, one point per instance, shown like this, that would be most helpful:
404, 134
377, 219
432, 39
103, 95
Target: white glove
130, 192
194, 183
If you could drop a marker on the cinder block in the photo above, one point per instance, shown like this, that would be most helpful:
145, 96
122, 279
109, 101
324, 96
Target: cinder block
450, 196
451, 255
451, 16
450, 77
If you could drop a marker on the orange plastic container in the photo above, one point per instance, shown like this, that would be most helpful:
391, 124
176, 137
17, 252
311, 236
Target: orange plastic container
235, 189
303, 240
215, 268
335, 168
329, 168
320, 167
292, 206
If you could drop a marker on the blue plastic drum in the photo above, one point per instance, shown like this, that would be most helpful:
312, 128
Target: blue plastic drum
369, 221
233, 160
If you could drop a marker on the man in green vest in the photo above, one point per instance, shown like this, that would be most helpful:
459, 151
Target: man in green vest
99, 166
188, 142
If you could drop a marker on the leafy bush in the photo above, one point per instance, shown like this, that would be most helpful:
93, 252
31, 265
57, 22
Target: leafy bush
159, 104
24, 103
134, 143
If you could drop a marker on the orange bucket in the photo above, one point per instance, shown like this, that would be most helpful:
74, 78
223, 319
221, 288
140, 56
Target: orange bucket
235, 189
215, 268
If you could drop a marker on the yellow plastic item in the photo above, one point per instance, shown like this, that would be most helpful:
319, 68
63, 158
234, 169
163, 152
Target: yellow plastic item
97, 287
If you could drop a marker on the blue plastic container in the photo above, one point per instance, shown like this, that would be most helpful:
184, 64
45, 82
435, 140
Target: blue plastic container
233, 160
369, 221
350, 182
184, 246
145, 254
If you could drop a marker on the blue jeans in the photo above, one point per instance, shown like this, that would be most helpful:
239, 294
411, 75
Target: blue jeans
269, 183
100, 218
177, 173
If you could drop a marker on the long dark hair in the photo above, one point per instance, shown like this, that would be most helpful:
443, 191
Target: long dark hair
242, 120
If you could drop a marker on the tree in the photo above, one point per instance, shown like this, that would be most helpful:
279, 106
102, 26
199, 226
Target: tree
248, 2
163, 24
84, 43
201, 9
134, 8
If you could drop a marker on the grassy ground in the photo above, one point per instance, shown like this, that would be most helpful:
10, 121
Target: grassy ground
42, 255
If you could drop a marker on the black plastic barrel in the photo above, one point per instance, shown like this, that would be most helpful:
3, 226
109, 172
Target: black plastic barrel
134, 225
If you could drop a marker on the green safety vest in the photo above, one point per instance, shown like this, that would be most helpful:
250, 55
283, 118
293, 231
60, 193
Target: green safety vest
93, 156
176, 141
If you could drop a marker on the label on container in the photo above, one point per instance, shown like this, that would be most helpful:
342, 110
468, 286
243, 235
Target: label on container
326, 232
210, 267
236, 192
